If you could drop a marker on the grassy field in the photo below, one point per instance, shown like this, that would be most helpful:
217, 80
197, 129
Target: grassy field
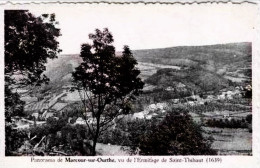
230, 141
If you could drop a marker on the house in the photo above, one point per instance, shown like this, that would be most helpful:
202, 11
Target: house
210, 97
80, 121
221, 97
175, 101
35, 114
191, 103
48, 113
169, 88
138, 115
180, 85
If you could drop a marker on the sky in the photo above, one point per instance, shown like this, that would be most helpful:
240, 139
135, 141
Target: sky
153, 26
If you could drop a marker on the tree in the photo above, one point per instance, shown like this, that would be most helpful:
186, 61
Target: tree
106, 83
176, 134
29, 42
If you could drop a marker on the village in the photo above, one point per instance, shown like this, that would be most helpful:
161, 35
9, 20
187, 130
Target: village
57, 103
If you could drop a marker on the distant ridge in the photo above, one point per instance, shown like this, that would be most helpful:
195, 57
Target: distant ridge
206, 45
219, 55
224, 44
218, 58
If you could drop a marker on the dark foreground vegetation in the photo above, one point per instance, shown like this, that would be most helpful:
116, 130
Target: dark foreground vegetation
173, 134
29, 42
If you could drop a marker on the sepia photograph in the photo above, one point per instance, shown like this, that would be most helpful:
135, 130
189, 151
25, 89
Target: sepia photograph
129, 80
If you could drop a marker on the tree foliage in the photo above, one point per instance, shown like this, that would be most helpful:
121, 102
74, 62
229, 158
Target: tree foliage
29, 42
177, 134
226, 123
14, 139
13, 104
106, 82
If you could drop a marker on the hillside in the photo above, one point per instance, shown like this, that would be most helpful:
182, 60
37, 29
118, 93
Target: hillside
60, 69
233, 60
189, 68
232, 53
194, 80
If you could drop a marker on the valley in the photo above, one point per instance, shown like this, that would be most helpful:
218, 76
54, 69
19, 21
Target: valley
212, 82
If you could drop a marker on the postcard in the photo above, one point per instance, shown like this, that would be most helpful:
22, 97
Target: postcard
129, 84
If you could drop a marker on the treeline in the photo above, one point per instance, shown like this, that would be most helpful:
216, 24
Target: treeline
216, 106
232, 123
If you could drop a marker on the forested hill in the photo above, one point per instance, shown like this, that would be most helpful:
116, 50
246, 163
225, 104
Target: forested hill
220, 54
232, 60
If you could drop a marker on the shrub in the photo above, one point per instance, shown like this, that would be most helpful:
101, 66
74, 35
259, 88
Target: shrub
76, 138
14, 139
176, 134
114, 137
73, 138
